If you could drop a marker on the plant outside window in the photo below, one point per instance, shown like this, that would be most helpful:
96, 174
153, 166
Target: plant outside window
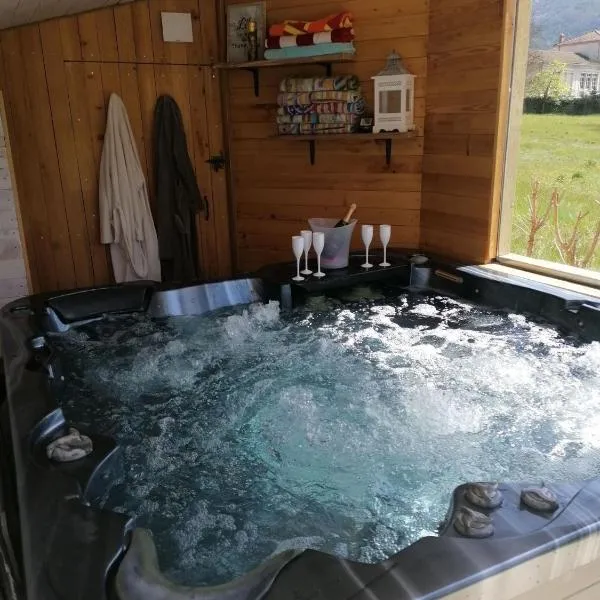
553, 177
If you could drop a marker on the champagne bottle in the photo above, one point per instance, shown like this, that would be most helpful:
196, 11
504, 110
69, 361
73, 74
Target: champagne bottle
346, 220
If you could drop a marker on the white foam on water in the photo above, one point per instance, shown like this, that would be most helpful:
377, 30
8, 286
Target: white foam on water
339, 427
247, 326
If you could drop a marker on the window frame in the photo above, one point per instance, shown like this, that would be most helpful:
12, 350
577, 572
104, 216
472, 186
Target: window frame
512, 94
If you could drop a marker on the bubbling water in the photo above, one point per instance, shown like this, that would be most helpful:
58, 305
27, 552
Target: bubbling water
343, 426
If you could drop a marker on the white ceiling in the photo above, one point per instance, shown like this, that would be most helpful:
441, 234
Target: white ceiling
19, 12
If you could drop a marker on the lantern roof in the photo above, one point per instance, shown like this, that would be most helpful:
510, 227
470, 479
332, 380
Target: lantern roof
394, 66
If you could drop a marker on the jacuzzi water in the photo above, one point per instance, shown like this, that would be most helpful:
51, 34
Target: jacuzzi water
342, 427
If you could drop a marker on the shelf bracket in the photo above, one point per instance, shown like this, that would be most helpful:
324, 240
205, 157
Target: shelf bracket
256, 79
312, 146
388, 152
328, 68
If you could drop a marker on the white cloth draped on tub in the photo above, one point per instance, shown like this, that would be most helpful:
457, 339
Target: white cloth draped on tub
125, 219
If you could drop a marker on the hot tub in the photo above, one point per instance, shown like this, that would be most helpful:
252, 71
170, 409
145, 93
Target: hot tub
70, 531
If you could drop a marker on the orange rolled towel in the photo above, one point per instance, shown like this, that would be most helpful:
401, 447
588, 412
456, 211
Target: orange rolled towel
330, 23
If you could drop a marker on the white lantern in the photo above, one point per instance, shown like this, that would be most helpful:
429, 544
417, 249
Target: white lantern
394, 97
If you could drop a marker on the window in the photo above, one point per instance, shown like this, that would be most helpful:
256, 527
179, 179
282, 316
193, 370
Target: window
586, 80
589, 81
550, 219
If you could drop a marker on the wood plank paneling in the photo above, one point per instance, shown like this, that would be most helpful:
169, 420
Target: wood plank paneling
201, 144
462, 123
69, 34
65, 149
330, 183
45, 153
219, 209
82, 83
142, 32
275, 189
88, 37
365, 11
130, 94
368, 199
148, 95
126, 40
57, 118
106, 30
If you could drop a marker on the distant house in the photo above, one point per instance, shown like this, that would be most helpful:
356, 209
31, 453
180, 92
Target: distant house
587, 45
581, 55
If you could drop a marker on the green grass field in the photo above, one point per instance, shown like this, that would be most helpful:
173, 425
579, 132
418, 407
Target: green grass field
561, 152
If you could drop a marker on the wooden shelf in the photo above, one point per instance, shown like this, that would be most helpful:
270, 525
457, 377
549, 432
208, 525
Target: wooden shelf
388, 138
310, 60
254, 67
355, 136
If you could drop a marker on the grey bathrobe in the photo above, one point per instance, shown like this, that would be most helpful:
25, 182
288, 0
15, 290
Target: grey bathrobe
178, 198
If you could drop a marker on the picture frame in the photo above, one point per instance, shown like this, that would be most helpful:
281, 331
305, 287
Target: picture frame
238, 16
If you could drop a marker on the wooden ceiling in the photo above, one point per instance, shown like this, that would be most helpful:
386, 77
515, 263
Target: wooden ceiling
19, 12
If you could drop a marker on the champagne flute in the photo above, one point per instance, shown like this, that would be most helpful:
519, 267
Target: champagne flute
319, 244
367, 238
385, 234
298, 248
307, 236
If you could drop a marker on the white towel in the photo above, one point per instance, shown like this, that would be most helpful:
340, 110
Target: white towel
125, 218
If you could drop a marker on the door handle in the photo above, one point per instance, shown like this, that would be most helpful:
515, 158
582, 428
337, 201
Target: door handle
216, 161
206, 208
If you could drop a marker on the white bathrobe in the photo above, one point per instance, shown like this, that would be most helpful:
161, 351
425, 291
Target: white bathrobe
125, 218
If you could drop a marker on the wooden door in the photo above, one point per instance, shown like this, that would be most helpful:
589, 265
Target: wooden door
89, 87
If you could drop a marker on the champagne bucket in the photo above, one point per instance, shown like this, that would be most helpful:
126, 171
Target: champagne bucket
337, 242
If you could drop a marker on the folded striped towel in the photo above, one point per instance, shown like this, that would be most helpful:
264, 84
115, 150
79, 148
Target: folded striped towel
290, 27
314, 118
314, 97
310, 39
319, 128
323, 108
308, 51
313, 84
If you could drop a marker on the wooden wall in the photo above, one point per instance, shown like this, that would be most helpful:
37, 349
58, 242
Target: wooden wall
440, 192
275, 189
463, 128
57, 77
